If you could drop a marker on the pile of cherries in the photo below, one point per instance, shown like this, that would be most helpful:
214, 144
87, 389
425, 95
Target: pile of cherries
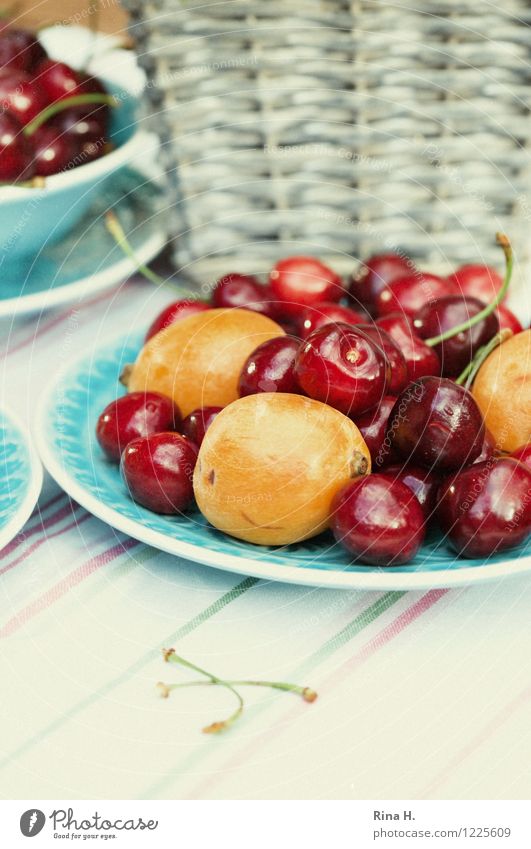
390, 348
52, 117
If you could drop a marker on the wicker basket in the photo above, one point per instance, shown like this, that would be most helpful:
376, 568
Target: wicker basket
338, 128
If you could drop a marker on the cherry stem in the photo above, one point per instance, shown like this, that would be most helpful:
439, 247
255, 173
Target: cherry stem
504, 243
61, 105
468, 375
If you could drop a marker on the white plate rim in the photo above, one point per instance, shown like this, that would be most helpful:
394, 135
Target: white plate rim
21, 516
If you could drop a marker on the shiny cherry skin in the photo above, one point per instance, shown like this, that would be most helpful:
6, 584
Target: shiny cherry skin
82, 129
488, 448
20, 50
373, 428
340, 366
53, 153
378, 520
326, 312
507, 319
58, 80
17, 156
399, 371
158, 471
487, 507
410, 293
303, 281
21, 96
197, 422
175, 312
271, 367
437, 424
448, 312
134, 415
242, 291
421, 360
422, 483
478, 281
523, 454
374, 275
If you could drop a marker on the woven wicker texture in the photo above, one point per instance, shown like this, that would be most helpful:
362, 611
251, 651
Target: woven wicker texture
338, 128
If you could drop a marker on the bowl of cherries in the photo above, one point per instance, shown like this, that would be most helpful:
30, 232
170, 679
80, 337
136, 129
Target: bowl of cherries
64, 132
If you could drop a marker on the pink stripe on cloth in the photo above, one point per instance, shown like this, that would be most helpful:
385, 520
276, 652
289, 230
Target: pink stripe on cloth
24, 535
381, 639
47, 599
35, 545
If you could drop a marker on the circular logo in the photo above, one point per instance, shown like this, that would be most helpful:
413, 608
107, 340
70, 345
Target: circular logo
31, 822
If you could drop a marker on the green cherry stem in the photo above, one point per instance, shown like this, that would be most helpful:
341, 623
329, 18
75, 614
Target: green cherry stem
307, 693
504, 243
55, 108
467, 376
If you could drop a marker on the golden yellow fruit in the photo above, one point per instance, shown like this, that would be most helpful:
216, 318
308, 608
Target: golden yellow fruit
502, 389
270, 465
197, 361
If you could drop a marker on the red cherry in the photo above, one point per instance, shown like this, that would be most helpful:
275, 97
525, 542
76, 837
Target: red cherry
242, 291
507, 319
487, 507
374, 275
302, 281
81, 128
21, 95
323, 313
20, 50
58, 80
134, 415
420, 359
16, 151
523, 454
488, 448
339, 365
175, 312
445, 313
478, 281
422, 483
399, 371
158, 471
437, 424
197, 422
271, 367
378, 520
373, 428
410, 293
53, 153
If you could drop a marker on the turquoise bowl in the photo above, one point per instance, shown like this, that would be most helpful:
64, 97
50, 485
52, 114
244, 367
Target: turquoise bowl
31, 219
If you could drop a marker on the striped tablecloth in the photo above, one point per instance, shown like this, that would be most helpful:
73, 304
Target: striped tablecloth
421, 695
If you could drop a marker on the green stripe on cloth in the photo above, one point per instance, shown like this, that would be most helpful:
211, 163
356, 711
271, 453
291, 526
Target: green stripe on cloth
213, 609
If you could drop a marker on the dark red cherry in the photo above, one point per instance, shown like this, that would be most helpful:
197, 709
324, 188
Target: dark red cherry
20, 50
507, 319
58, 80
421, 360
487, 507
134, 415
325, 312
83, 129
399, 371
16, 151
21, 95
448, 312
477, 281
373, 428
488, 448
340, 366
175, 312
422, 483
243, 291
437, 424
302, 281
158, 471
271, 367
410, 293
197, 422
523, 454
53, 153
378, 520
374, 275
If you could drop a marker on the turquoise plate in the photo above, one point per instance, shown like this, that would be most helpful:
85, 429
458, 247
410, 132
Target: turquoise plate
68, 448
20, 477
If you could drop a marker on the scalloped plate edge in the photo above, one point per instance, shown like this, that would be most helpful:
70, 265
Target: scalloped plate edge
21, 516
